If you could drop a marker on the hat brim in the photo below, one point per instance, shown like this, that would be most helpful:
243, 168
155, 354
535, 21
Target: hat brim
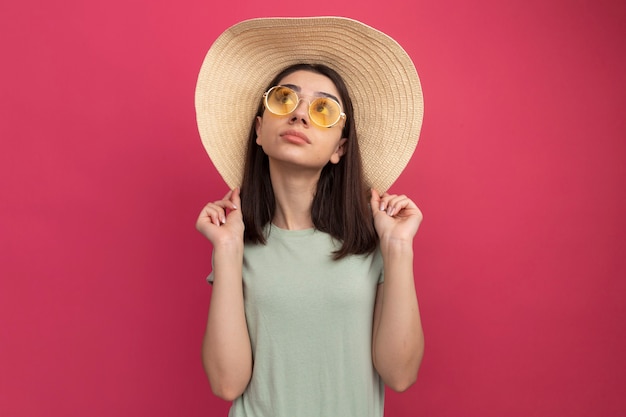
381, 79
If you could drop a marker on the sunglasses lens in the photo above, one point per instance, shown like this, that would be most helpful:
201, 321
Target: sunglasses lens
281, 100
324, 112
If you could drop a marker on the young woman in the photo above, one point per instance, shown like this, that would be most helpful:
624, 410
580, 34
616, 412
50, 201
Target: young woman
313, 306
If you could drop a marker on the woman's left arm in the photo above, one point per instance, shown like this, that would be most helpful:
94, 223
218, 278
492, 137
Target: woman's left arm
398, 339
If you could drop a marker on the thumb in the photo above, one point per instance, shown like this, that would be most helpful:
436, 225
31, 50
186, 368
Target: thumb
374, 201
235, 198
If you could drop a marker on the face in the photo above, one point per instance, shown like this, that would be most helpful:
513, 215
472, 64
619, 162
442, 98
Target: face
294, 139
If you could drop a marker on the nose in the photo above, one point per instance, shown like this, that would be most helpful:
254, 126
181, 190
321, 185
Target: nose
301, 113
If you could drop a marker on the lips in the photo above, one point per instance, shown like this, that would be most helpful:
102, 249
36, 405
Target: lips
295, 136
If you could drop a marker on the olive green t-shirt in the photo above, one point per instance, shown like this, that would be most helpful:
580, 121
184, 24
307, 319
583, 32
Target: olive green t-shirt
310, 323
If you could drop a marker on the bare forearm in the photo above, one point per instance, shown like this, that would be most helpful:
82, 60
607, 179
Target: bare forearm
226, 350
399, 340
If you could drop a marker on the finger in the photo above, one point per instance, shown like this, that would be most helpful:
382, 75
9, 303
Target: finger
204, 219
232, 205
396, 203
215, 213
384, 201
406, 206
228, 195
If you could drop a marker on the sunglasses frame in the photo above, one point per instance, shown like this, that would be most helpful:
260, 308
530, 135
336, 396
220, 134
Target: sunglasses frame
342, 115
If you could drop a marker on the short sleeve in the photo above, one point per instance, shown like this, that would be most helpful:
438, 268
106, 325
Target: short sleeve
378, 265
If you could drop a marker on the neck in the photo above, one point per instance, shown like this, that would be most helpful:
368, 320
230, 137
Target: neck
294, 198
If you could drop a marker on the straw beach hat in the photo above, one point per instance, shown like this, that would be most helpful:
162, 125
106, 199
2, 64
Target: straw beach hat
381, 79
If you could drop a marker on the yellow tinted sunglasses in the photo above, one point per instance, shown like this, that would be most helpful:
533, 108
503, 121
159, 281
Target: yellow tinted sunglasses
323, 111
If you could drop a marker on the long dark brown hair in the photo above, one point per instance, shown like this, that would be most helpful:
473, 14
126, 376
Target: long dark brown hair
340, 205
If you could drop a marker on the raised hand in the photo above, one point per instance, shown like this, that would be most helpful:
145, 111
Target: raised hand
221, 221
396, 217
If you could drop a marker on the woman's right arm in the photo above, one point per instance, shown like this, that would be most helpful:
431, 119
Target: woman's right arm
226, 350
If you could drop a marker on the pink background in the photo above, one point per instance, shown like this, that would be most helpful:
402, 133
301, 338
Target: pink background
520, 172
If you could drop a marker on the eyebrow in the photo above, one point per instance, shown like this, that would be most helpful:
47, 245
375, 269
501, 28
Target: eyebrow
297, 89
